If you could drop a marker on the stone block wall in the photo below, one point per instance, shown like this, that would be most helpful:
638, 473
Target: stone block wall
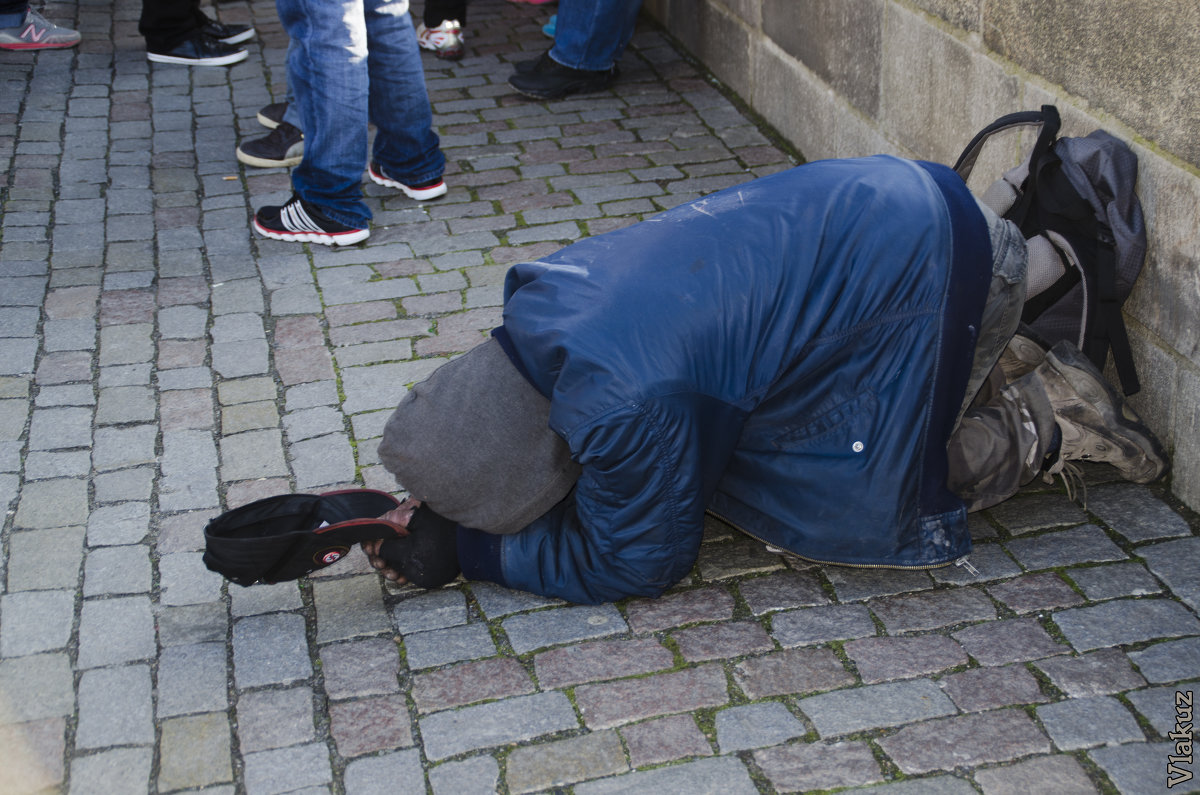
917, 78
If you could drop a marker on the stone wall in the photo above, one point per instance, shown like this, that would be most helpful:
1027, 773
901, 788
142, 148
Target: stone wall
842, 78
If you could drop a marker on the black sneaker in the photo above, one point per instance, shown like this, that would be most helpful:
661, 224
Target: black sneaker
271, 116
199, 49
421, 192
229, 34
283, 146
546, 78
301, 222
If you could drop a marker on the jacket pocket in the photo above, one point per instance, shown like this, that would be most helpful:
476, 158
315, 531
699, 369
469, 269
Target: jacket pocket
842, 430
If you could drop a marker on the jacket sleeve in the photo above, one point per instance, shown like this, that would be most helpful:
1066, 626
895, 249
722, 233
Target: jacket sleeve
633, 524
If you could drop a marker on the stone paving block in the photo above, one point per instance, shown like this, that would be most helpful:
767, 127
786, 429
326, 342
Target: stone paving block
60, 428
115, 708
263, 598
453, 732
1087, 544
883, 659
1115, 580
187, 624
1161, 705
875, 706
1060, 774
1033, 592
194, 752
116, 448
735, 639
1136, 513
932, 610
192, 678
559, 625
189, 471
792, 671
466, 683
782, 591
1169, 661
349, 607
269, 650
185, 580
725, 775
756, 726
853, 585
479, 775
253, 454
369, 725
52, 503
269, 719
564, 762
117, 570
677, 609
127, 485
35, 621
115, 525
742, 556
248, 417
1027, 513
803, 767
120, 405
287, 769
33, 756
116, 772
444, 646
389, 774
965, 740
1096, 673
1177, 563
1125, 621
45, 559
430, 610
1087, 722
36, 687
591, 662
324, 461
809, 626
987, 688
1138, 768
614, 703
115, 630
361, 668
664, 740
1003, 642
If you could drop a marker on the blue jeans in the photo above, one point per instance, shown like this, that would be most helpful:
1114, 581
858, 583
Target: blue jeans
350, 62
12, 15
592, 34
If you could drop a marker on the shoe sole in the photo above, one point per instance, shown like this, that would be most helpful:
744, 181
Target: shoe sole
239, 38
41, 45
223, 60
420, 194
324, 239
262, 162
1136, 438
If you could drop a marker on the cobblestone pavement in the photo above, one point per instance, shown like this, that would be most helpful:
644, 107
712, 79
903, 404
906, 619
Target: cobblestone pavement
158, 363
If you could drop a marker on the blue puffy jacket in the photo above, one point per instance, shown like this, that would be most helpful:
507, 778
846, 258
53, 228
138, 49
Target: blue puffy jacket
788, 353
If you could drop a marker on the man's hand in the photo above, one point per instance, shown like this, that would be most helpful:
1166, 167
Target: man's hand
400, 515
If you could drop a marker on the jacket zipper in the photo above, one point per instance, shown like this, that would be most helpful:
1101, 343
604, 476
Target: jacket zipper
963, 561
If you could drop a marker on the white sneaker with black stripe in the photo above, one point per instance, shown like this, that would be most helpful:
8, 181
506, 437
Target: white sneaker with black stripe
301, 222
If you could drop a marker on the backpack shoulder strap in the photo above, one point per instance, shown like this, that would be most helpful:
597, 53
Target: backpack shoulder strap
1047, 118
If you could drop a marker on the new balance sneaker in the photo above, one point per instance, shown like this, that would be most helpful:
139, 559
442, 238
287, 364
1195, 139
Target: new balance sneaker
283, 146
1096, 424
421, 192
446, 40
301, 222
271, 116
546, 78
228, 34
37, 33
200, 49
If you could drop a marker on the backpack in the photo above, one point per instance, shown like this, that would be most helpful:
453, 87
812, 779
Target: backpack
1079, 194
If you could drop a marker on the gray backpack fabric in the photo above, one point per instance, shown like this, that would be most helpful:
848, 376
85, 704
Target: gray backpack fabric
1077, 193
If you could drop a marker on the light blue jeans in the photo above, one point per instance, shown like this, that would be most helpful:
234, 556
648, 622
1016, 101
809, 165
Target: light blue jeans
592, 34
350, 62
